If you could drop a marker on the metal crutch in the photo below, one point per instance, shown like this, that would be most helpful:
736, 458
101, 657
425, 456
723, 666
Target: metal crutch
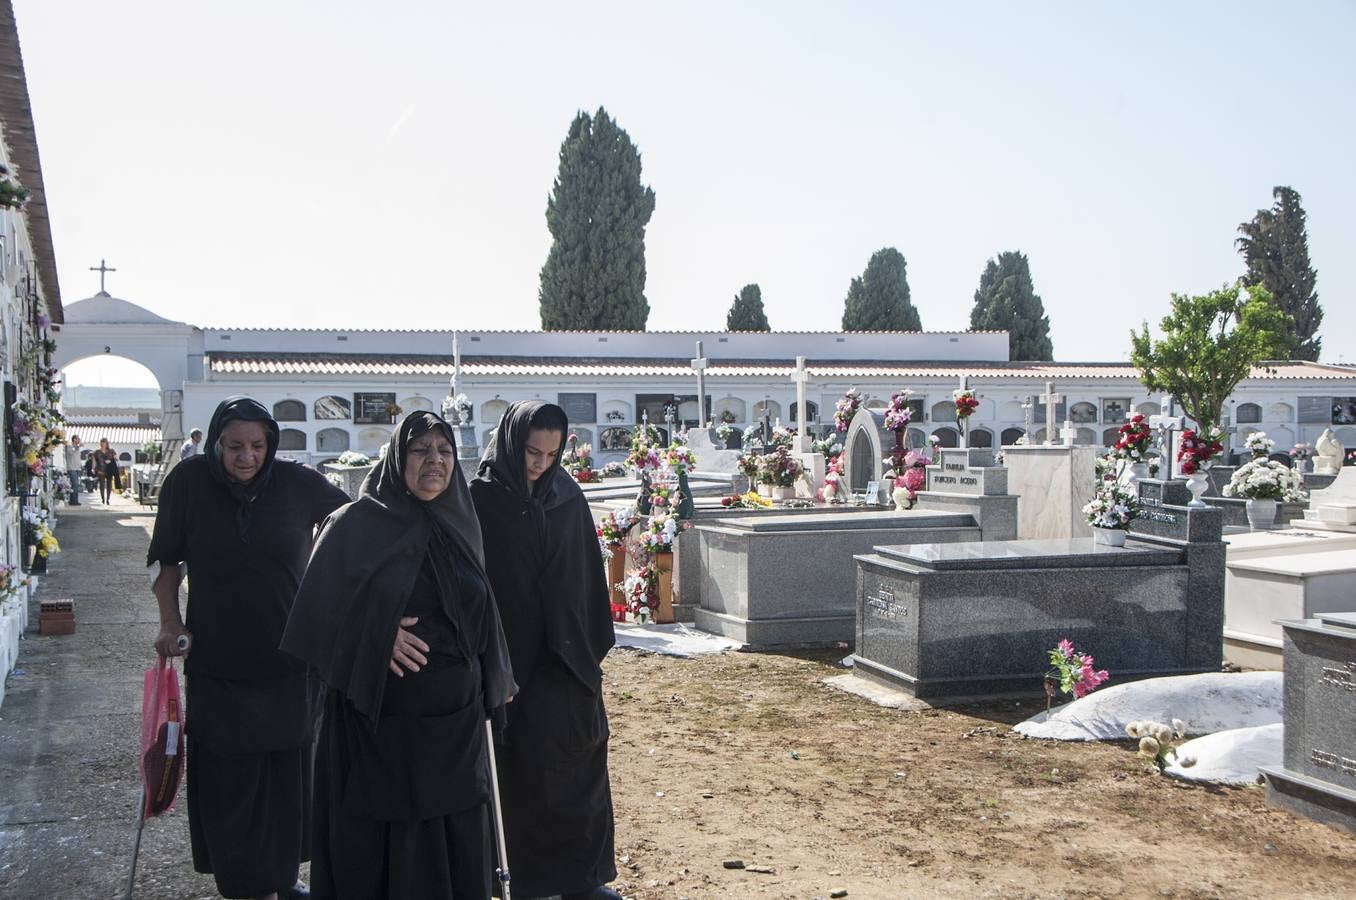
501, 871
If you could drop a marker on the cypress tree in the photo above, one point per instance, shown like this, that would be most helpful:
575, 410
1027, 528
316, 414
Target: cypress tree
746, 313
594, 276
1007, 301
879, 299
1275, 246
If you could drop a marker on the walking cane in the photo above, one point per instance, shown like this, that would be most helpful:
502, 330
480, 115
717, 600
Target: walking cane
501, 871
136, 844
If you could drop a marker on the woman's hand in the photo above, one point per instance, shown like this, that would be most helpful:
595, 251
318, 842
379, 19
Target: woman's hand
173, 640
408, 650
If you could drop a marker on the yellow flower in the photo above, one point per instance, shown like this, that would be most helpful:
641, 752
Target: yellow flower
48, 546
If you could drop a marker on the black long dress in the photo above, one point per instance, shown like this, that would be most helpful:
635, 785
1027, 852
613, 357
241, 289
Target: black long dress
250, 709
401, 771
543, 560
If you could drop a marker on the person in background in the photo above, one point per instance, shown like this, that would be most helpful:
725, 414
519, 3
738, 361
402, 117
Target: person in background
73, 467
546, 571
241, 522
106, 470
193, 446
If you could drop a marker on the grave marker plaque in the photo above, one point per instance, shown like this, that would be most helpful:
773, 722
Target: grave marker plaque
373, 408
579, 408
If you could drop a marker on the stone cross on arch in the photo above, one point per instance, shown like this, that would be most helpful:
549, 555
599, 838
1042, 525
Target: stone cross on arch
103, 269
1052, 402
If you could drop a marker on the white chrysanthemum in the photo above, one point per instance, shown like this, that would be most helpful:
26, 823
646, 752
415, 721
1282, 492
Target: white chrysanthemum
1148, 746
1132, 728
1162, 733
1179, 727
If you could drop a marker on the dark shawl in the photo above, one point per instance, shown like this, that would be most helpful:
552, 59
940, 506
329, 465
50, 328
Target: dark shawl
542, 552
363, 569
249, 696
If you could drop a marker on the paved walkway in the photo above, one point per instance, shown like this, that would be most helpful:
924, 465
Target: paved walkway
70, 725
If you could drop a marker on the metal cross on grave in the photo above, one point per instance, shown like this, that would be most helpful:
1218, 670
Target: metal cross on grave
699, 366
1052, 402
1164, 424
800, 376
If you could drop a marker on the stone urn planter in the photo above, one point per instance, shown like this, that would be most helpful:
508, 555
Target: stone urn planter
783, 492
1261, 514
352, 476
1110, 537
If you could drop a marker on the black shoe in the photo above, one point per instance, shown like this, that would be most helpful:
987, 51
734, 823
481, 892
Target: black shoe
601, 892
296, 891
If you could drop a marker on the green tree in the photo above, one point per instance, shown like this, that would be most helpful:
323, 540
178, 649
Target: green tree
1275, 246
1007, 301
879, 299
1209, 344
746, 313
594, 276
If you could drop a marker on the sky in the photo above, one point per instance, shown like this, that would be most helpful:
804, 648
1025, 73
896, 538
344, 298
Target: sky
359, 165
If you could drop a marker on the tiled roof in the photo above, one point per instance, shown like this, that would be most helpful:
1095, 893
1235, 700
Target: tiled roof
116, 434
17, 112
475, 331
378, 364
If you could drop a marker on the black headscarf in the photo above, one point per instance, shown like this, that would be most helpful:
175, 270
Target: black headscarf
363, 568
505, 461
241, 409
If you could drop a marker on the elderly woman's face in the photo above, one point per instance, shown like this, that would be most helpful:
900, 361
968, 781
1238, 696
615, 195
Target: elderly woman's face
244, 445
429, 461
542, 449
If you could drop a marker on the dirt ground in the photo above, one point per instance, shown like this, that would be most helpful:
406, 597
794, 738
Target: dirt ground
751, 757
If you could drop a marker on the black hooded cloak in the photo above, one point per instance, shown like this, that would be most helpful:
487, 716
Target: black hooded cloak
542, 556
251, 721
401, 772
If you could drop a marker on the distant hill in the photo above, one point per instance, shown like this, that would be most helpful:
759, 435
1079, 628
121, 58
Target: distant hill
90, 397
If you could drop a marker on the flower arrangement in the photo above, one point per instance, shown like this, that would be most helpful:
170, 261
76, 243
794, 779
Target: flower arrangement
11, 580
12, 194
1301, 452
779, 468
1265, 479
724, 431
615, 415
584, 475
680, 459
1133, 443
1112, 506
1071, 672
393, 409
615, 525
727, 417
1155, 739
658, 537
1258, 444
645, 455
613, 469
37, 533
578, 460
641, 590
1197, 451
36, 432
749, 500
829, 446
61, 484
748, 465
845, 409
461, 404
353, 459
915, 473
898, 414
966, 404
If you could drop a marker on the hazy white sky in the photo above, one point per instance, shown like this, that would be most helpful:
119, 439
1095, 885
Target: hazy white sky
344, 164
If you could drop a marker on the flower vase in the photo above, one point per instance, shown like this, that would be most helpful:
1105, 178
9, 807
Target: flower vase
1198, 483
685, 506
783, 492
739, 483
901, 497
664, 563
899, 451
616, 574
1261, 514
1303, 466
1110, 537
39, 564
1138, 473
764, 490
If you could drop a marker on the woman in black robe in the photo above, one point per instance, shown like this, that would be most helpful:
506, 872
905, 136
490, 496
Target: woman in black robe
242, 524
542, 555
396, 616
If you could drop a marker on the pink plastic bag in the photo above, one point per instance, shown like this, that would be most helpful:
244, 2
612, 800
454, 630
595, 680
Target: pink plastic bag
162, 737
